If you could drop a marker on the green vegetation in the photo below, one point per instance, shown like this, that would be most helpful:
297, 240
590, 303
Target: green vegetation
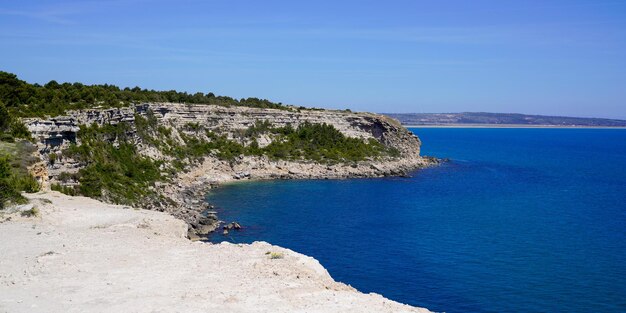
71, 191
10, 127
320, 143
29, 100
220, 146
274, 255
32, 212
316, 142
21, 99
14, 176
115, 170
9, 192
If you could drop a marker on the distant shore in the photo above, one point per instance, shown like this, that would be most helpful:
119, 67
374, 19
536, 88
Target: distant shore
508, 126
499, 120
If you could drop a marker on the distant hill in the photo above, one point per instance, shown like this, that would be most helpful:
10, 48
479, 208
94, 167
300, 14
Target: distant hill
481, 118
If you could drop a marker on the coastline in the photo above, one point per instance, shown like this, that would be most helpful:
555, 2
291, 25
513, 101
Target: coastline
187, 180
181, 199
190, 188
509, 126
80, 254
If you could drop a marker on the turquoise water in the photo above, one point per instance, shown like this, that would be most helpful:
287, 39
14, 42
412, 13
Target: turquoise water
530, 220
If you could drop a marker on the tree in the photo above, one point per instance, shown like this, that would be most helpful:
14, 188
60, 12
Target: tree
5, 119
52, 84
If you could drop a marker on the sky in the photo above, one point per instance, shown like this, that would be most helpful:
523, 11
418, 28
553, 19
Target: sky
536, 57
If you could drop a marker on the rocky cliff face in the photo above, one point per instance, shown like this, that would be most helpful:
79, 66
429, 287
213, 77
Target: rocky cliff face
55, 134
61, 130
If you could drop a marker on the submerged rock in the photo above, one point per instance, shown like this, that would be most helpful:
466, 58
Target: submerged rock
232, 225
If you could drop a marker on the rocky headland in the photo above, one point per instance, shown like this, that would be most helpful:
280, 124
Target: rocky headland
181, 192
103, 186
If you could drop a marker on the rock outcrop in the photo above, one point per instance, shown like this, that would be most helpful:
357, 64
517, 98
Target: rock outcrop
57, 133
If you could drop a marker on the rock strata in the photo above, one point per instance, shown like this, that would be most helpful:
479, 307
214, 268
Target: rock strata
186, 194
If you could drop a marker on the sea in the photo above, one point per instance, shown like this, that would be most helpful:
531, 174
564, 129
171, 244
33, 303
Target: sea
518, 220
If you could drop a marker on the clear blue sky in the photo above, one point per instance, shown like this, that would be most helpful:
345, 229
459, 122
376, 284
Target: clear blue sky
543, 57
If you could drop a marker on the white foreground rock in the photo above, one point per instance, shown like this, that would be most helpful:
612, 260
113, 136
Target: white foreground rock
81, 255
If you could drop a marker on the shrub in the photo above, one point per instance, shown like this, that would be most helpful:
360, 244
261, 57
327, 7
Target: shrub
19, 130
322, 142
52, 157
70, 191
114, 170
32, 212
65, 177
276, 255
27, 183
13, 180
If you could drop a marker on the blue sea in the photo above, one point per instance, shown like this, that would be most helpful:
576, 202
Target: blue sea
519, 220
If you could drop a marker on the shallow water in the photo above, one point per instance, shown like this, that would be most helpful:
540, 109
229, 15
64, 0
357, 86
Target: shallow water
519, 220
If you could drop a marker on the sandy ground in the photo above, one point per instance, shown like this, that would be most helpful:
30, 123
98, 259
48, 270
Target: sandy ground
81, 255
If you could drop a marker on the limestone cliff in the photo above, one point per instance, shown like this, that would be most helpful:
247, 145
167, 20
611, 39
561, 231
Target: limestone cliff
186, 188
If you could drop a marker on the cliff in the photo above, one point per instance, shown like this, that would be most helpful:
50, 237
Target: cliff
181, 192
82, 255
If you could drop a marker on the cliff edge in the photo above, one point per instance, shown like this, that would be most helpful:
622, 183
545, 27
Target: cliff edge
80, 255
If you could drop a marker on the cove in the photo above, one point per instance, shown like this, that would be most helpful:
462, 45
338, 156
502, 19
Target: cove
518, 220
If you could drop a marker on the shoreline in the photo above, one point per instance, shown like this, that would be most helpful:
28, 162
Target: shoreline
510, 126
191, 188
180, 214
181, 192
81, 255
428, 162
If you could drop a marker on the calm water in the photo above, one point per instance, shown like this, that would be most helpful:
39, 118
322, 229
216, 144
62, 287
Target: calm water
529, 220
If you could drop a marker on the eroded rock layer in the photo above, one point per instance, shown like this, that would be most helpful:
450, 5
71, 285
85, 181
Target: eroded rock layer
185, 191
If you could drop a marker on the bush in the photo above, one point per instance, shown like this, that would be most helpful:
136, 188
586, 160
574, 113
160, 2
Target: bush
321, 143
32, 212
27, 183
13, 182
316, 142
19, 130
70, 191
11, 127
115, 170
52, 157
65, 177
275, 255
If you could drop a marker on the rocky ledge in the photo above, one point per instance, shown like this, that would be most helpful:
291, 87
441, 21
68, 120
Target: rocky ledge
77, 254
186, 189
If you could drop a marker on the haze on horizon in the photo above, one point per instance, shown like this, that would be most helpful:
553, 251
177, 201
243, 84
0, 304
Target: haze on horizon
557, 57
